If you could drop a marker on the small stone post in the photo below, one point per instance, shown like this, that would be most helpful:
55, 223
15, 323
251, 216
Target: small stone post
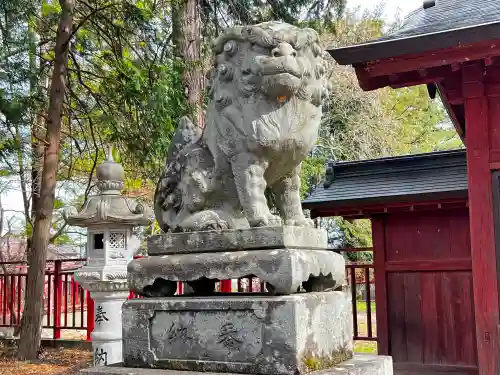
110, 218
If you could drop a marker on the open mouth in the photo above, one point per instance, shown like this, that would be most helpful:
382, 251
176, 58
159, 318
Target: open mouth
282, 77
281, 84
285, 74
279, 66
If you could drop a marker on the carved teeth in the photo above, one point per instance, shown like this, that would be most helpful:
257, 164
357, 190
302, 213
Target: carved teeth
320, 71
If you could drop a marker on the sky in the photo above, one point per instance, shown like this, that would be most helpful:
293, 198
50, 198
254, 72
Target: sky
12, 199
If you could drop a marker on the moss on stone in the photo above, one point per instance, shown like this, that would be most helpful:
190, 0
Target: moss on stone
313, 362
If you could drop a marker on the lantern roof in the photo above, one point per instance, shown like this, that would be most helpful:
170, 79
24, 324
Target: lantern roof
109, 206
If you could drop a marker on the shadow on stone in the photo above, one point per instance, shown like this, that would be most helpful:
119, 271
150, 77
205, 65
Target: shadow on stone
319, 283
160, 288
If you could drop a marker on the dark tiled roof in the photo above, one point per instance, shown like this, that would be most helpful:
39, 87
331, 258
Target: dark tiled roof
447, 24
415, 177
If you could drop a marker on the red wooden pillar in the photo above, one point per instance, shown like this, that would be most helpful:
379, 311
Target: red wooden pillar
225, 286
57, 299
90, 316
479, 124
378, 239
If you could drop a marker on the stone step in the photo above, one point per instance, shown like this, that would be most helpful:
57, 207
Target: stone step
361, 364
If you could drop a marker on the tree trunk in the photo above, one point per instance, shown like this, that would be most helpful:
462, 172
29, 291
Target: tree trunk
38, 86
32, 330
187, 38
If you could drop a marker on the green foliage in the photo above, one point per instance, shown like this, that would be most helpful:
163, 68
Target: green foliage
421, 121
218, 15
313, 169
356, 233
124, 83
63, 239
58, 203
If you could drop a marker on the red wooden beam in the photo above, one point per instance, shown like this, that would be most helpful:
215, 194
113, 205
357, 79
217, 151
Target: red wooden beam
426, 60
429, 265
225, 286
352, 276
57, 299
403, 79
368, 302
363, 211
378, 237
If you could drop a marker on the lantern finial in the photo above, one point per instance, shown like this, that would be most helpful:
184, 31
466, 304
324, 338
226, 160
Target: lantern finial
110, 153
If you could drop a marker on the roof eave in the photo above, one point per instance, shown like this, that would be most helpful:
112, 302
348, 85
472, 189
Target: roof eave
384, 49
370, 201
435, 155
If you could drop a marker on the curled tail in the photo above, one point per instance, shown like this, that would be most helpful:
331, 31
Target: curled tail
168, 197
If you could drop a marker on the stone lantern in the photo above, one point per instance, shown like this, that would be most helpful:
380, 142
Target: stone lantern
109, 218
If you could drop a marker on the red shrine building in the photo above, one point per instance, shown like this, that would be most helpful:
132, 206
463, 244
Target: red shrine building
435, 217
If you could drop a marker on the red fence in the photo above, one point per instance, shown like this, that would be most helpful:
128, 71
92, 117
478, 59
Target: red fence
68, 307
65, 302
362, 274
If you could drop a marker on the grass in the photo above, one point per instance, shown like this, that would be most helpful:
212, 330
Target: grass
362, 306
315, 363
367, 347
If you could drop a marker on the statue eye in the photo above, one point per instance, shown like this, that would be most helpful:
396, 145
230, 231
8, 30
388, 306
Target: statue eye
230, 48
222, 69
316, 49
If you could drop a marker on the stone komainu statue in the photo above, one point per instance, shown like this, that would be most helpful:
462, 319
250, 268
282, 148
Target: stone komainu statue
266, 90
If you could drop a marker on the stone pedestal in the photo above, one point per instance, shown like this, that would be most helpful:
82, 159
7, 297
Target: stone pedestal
283, 335
301, 325
108, 296
286, 258
107, 335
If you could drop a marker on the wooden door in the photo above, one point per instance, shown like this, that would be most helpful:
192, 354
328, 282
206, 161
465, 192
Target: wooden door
423, 270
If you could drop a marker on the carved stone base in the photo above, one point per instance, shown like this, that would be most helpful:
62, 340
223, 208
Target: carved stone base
286, 335
284, 271
259, 238
361, 364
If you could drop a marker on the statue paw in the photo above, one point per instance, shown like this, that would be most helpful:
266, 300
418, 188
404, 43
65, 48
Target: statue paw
215, 225
274, 221
204, 220
267, 221
300, 222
